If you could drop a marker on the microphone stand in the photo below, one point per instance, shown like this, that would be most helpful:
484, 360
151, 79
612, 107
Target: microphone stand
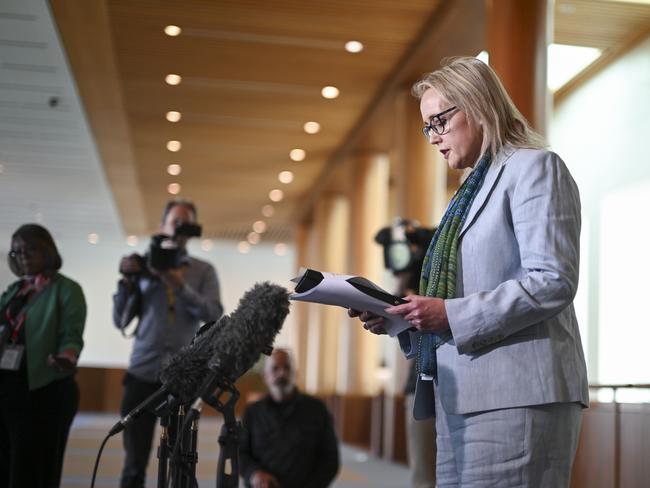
185, 456
163, 452
177, 474
228, 464
177, 455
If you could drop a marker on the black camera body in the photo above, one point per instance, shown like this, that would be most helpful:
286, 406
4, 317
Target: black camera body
405, 244
165, 252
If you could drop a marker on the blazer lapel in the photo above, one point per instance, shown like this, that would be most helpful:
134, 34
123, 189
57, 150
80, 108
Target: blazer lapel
491, 178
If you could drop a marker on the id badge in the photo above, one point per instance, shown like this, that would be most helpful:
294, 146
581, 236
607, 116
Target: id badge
12, 354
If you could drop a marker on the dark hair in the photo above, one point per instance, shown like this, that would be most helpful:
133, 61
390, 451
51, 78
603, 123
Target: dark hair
40, 236
188, 204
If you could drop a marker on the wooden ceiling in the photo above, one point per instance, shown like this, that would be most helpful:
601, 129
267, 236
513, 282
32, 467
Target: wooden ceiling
252, 72
601, 24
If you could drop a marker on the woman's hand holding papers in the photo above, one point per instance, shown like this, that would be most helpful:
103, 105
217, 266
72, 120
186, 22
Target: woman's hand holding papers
427, 314
373, 323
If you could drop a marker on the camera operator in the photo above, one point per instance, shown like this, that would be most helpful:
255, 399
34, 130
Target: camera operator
171, 293
405, 244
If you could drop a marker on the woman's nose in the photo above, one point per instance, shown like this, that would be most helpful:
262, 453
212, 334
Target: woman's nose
434, 138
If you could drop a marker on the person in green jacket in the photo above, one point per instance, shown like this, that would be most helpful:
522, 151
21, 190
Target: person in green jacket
42, 318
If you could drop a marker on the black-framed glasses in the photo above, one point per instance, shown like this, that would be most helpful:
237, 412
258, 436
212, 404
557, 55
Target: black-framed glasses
438, 123
27, 251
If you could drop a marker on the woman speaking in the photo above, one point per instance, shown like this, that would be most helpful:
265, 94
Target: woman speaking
495, 333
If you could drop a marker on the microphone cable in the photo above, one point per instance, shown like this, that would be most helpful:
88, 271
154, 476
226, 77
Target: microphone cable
99, 455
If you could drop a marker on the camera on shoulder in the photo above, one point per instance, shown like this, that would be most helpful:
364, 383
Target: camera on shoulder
166, 252
404, 243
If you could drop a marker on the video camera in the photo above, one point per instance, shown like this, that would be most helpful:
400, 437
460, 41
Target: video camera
165, 252
405, 244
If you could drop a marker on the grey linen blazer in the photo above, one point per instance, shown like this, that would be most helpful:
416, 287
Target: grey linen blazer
515, 335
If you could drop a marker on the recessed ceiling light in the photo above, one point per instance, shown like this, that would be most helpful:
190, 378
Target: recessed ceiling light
174, 188
268, 210
243, 247
174, 146
285, 177
173, 79
172, 30
330, 92
259, 226
132, 240
93, 238
312, 127
353, 47
253, 238
173, 116
297, 154
174, 169
276, 195
280, 249
207, 244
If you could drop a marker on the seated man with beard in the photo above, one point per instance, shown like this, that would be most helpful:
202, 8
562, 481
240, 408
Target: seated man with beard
289, 440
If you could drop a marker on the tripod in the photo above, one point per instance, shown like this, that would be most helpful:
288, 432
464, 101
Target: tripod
228, 464
177, 458
179, 465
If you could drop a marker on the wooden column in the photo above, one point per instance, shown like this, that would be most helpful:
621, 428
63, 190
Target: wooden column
300, 309
517, 39
369, 213
419, 192
416, 165
328, 252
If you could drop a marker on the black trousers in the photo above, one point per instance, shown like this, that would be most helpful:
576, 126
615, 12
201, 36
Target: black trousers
34, 427
137, 436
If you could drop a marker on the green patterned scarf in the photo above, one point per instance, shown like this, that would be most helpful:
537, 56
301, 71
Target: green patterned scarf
438, 278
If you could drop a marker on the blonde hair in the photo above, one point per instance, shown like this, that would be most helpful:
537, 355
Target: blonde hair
476, 90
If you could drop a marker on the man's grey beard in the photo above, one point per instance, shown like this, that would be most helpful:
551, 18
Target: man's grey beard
283, 386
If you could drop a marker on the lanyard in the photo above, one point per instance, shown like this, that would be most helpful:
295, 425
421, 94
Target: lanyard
28, 292
18, 321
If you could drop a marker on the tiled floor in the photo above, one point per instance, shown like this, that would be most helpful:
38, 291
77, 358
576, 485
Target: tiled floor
357, 468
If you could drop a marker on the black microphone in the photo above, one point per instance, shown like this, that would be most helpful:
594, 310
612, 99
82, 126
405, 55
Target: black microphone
183, 375
228, 348
154, 400
188, 368
251, 330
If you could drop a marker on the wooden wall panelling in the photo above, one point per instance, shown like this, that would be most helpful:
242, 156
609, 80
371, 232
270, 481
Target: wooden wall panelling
634, 445
101, 390
353, 420
594, 463
377, 425
395, 429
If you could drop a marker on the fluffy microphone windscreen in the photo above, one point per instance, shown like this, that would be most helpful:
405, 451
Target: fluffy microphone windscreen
251, 330
232, 345
187, 369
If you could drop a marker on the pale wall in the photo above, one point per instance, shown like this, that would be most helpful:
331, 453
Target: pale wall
602, 132
95, 268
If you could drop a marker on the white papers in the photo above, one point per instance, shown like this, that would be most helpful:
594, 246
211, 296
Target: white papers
350, 292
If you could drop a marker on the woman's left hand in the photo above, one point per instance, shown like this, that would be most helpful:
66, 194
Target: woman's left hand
426, 314
63, 362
